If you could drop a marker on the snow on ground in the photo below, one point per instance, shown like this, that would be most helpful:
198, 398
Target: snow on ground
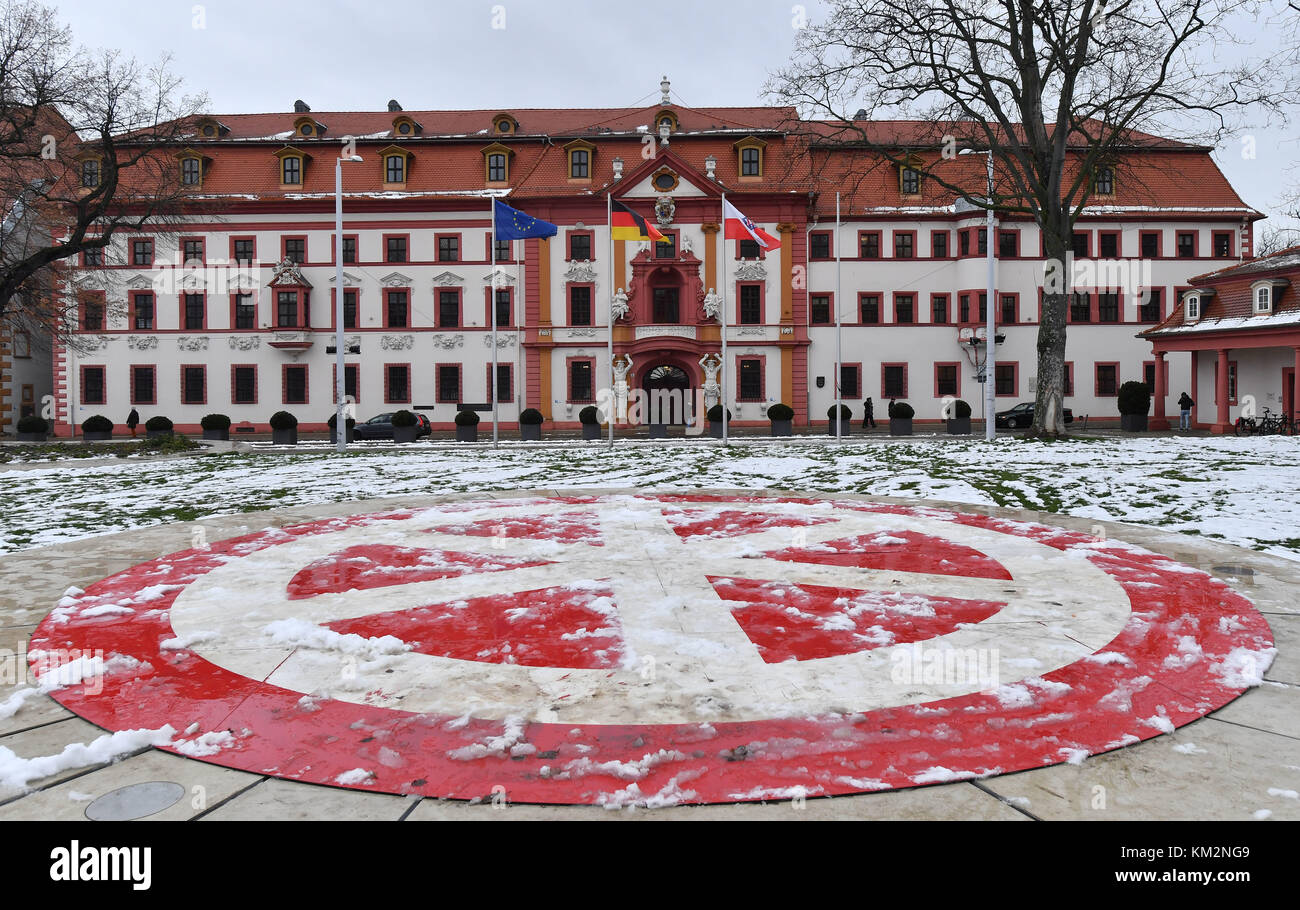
1241, 491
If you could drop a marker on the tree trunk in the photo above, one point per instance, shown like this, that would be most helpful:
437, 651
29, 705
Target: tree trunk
1049, 407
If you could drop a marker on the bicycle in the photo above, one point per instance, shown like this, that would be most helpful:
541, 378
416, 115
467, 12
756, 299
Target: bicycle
1244, 426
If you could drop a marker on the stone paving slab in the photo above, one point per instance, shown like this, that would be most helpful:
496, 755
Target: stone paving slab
1249, 747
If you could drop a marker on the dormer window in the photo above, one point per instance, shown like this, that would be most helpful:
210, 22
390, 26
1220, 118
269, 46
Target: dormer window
211, 129
405, 126
1264, 295
1104, 182
496, 163
666, 119
504, 125
1192, 308
396, 163
191, 168
909, 181
580, 154
293, 165
749, 153
307, 127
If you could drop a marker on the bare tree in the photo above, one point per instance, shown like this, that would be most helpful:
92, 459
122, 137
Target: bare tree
87, 145
1055, 92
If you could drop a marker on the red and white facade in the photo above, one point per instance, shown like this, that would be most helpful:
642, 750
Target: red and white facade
213, 320
1241, 328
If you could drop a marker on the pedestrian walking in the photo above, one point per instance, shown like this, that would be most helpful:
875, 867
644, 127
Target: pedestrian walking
1185, 405
133, 421
868, 415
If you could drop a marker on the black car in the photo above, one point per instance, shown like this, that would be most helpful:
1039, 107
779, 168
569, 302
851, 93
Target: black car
381, 427
1019, 417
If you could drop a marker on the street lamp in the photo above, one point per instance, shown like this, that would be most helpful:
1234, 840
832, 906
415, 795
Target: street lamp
340, 380
990, 342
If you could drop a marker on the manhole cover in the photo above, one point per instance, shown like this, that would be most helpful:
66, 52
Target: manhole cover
135, 801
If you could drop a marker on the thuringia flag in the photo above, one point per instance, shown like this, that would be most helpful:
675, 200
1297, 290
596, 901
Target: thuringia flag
738, 227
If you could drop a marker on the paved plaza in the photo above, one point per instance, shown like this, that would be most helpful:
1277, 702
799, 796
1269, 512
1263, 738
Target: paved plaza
621, 653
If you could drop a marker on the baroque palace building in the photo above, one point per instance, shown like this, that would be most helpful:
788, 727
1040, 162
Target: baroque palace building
231, 310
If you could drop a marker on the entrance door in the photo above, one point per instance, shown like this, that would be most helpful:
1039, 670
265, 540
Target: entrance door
667, 389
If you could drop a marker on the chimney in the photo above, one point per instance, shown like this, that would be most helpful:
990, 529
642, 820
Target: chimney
393, 106
300, 107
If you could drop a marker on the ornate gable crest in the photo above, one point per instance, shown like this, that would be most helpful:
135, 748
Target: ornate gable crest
395, 280
349, 280
447, 279
499, 279
580, 271
288, 274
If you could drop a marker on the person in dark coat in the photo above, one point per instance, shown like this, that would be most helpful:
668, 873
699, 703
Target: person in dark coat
133, 421
1185, 405
869, 414
890, 410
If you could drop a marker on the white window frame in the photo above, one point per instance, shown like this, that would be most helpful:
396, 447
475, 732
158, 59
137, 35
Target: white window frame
1192, 307
1261, 296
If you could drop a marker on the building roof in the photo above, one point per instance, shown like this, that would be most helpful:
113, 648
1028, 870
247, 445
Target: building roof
447, 148
1229, 304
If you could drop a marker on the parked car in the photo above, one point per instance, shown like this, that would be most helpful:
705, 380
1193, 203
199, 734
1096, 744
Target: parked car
381, 427
1021, 416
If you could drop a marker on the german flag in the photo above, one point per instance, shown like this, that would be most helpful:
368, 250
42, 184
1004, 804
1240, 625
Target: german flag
626, 224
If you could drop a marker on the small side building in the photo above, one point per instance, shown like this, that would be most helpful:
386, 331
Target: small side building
1242, 327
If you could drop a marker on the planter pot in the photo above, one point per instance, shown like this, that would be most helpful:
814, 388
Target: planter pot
715, 429
157, 434
334, 435
287, 437
32, 437
782, 427
957, 426
467, 434
846, 427
100, 436
405, 434
1133, 423
530, 431
657, 430
591, 431
219, 435
902, 426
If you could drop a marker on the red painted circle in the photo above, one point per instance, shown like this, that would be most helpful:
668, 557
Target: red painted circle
1189, 645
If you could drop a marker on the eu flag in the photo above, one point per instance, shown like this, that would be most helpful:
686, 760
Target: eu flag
512, 224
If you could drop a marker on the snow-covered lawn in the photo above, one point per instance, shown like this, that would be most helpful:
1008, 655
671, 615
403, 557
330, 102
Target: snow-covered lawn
1243, 491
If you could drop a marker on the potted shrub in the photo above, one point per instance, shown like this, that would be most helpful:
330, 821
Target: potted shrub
32, 429
530, 423
284, 429
467, 426
97, 428
782, 417
959, 418
1134, 401
406, 426
157, 427
900, 419
715, 420
657, 430
216, 426
349, 428
590, 418
846, 420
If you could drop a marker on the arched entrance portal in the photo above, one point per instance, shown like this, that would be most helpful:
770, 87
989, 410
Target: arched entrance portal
668, 394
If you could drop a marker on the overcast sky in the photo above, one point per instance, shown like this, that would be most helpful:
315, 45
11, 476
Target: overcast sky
260, 55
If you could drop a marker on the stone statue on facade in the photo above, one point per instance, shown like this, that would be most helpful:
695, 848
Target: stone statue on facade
711, 364
712, 304
618, 307
622, 366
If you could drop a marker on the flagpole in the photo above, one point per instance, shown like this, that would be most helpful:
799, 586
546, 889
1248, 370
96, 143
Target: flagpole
722, 316
839, 349
609, 224
492, 297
